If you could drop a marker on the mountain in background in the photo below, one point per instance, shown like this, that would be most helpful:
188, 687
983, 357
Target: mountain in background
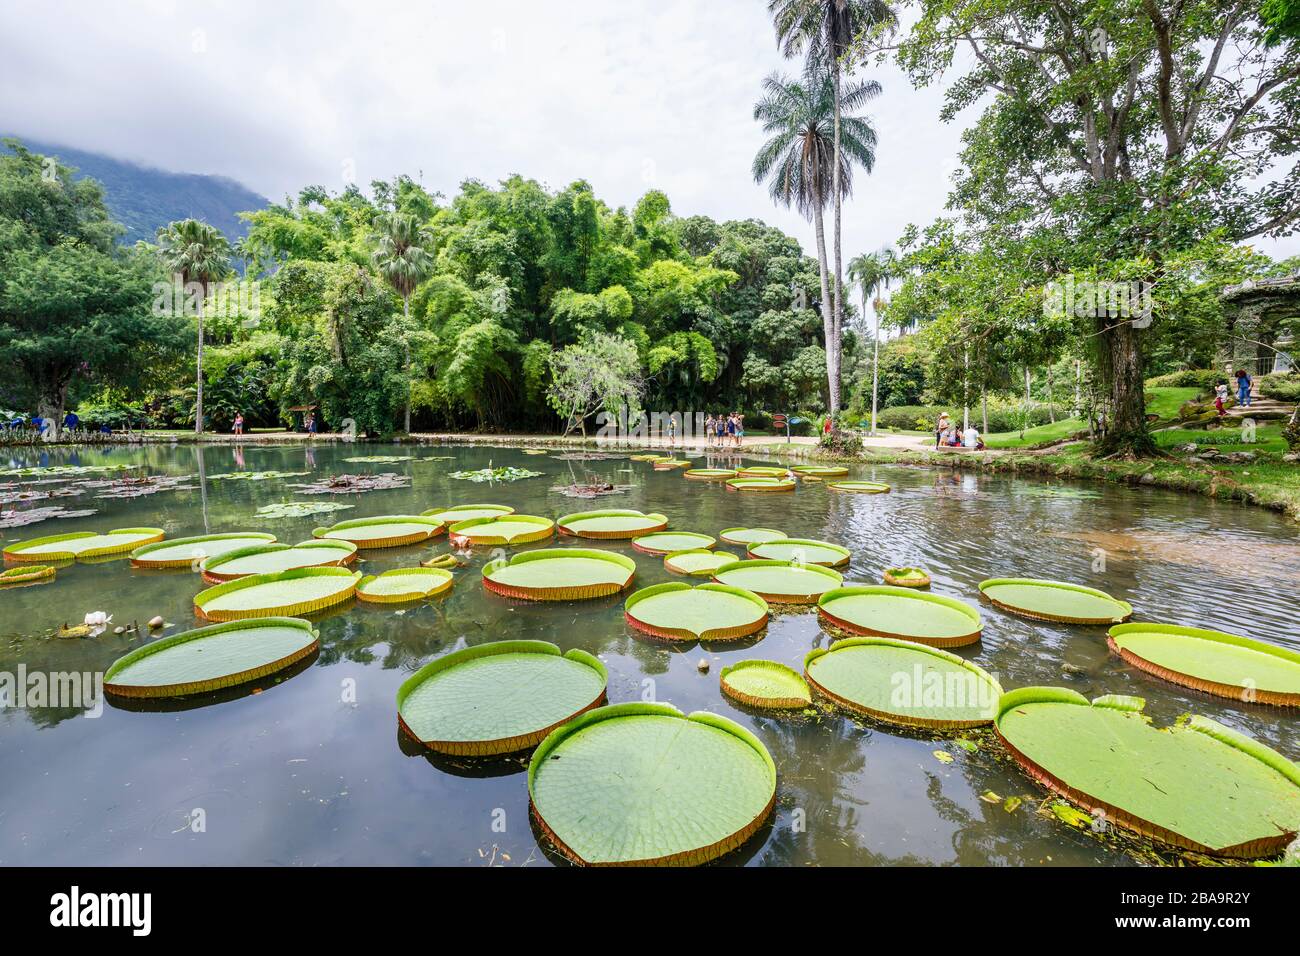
143, 199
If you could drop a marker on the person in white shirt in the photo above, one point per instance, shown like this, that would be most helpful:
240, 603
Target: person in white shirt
971, 437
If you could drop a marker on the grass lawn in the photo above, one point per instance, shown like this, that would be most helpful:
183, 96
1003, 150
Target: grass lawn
1165, 402
1038, 435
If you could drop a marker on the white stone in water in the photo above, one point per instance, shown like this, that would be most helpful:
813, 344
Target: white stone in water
703, 665
156, 622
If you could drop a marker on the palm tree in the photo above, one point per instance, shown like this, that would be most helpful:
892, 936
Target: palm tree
800, 162
198, 253
402, 257
873, 272
827, 29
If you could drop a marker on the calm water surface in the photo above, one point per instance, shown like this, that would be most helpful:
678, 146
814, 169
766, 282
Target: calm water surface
311, 771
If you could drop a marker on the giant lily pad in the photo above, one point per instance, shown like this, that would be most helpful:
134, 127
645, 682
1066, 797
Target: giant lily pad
709, 474
861, 487
503, 530
82, 544
284, 594
666, 542
1197, 785
762, 471
611, 524
668, 464
559, 574
801, 551
766, 685
750, 535
907, 577
190, 552
820, 472
642, 784
781, 582
1225, 665
28, 574
211, 658
389, 531
450, 516
697, 561
505, 473
903, 682
273, 558
299, 509
709, 612
1055, 601
498, 698
403, 584
883, 611
761, 484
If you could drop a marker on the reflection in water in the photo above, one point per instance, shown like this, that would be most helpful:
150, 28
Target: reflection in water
308, 774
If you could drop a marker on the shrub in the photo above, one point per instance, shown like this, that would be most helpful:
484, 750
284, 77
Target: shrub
1283, 386
841, 442
1203, 378
1001, 419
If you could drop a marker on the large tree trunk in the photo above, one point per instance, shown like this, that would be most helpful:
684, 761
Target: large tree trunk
406, 346
837, 312
875, 363
50, 405
828, 319
198, 373
1126, 420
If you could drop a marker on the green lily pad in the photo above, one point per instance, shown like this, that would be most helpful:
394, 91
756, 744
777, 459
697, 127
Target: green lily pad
189, 552
883, 611
781, 582
82, 545
907, 577
801, 551
697, 561
761, 484
861, 487
26, 574
1225, 665
616, 524
450, 516
1197, 785
644, 784
379, 459
667, 464
1055, 601
388, 531
504, 530
299, 509
559, 574
255, 475
709, 474
819, 471
749, 536
273, 558
762, 471
902, 682
211, 658
495, 474
498, 698
709, 612
403, 584
285, 594
666, 542
767, 685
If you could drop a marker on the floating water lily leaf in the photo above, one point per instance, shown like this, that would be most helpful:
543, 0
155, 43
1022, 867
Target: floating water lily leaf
19, 519
378, 459
82, 544
647, 457
644, 784
902, 682
668, 464
559, 574
861, 487
450, 516
506, 529
1055, 491
211, 658
907, 577
765, 684
1055, 601
761, 484
498, 698
403, 584
1198, 785
494, 474
666, 542
819, 471
762, 471
709, 612
189, 552
617, 524
29, 574
781, 582
274, 558
300, 509
139, 487
256, 475
801, 551
1225, 665
709, 474
283, 594
697, 561
883, 611
388, 531
60, 471
750, 535
943, 756
353, 484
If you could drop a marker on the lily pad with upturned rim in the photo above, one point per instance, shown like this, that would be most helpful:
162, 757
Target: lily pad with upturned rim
498, 698
644, 784
802, 550
401, 585
668, 464
611, 524
907, 577
1225, 665
749, 536
511, 529
820, 472
708, 612
767, 685
879, 610
709, 474
761, 485
384, 531
903, 682
82, 545
780, 582
183, 552
1198, 785
211, 658
762, 471
458, 513
697, 561
559, 574
274, 558
1055, 601
861, 487
286, 594
26, 574
666, 542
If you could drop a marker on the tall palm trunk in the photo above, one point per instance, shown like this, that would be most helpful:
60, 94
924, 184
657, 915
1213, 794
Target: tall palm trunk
198, 372
406, 347
828, 319
875, 361
833, 363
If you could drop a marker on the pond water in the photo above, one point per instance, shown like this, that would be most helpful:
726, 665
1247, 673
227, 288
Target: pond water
311, 770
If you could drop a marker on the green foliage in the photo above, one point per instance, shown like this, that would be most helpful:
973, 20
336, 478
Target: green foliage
602, 373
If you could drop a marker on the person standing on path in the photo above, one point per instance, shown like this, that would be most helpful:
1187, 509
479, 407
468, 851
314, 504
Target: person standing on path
1244, 384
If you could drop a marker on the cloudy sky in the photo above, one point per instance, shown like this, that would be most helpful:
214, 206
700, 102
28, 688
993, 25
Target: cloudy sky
628, 95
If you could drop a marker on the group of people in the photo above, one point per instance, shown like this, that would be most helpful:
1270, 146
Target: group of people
720, 432
949, 435
1244, 385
